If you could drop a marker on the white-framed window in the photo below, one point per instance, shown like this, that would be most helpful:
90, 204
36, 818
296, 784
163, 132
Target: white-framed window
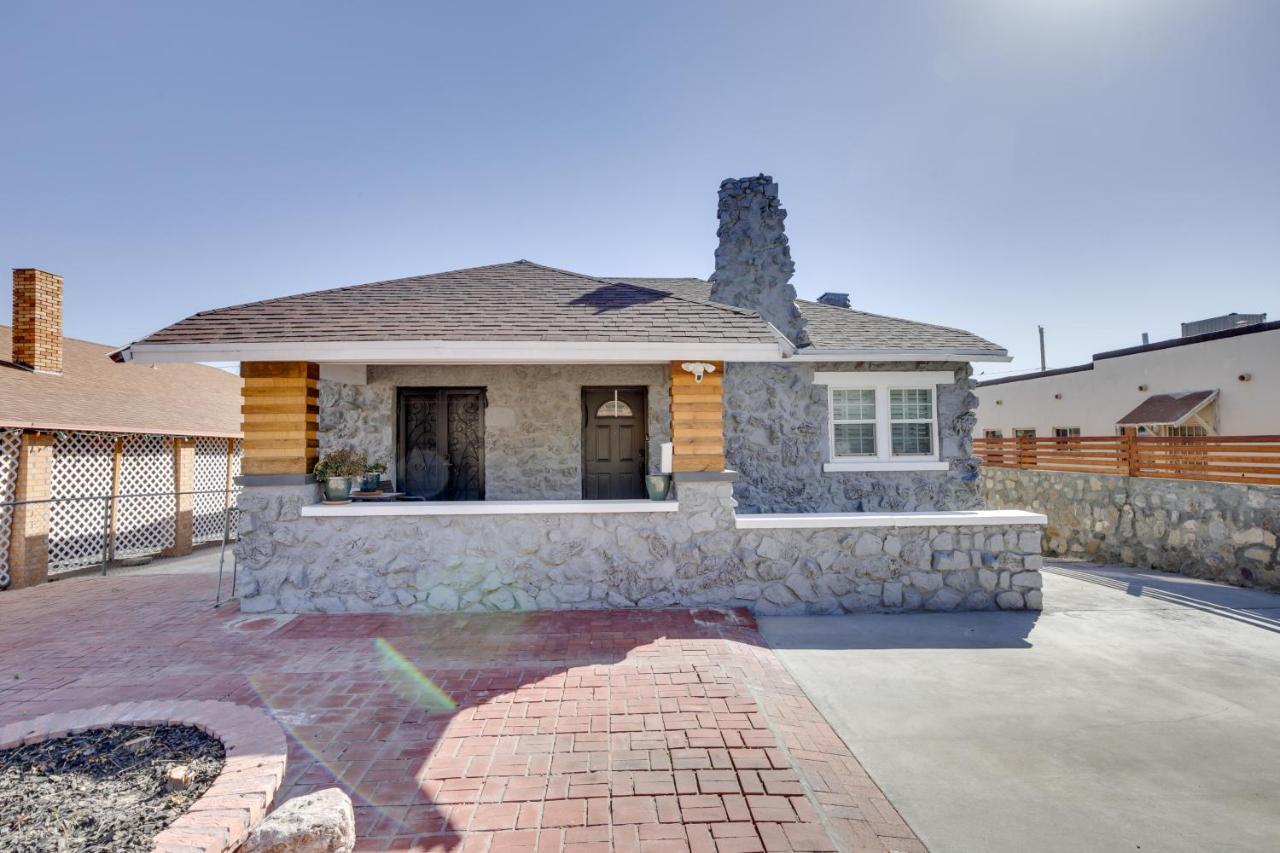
853, 421
993, 433
1065, 432
883, 421
1030, 432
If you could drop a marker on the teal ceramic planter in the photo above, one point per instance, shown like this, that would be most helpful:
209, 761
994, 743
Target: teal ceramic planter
657, 485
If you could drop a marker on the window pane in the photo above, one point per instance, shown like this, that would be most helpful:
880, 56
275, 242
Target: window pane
912, 439
910, 404
853, 405
613, 409
855, 439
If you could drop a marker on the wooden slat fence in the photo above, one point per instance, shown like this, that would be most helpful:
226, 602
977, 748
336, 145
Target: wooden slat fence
1252, 459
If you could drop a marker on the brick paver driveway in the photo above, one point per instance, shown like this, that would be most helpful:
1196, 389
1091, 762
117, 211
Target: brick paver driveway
624, 730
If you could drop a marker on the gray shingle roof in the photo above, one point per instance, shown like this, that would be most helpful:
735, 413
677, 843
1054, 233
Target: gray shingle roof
516, 301
833, 328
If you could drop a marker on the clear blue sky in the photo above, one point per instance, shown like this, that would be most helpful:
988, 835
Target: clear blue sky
1103, 167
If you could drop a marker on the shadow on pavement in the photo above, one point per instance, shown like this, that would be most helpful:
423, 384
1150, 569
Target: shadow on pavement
984, 629
1249, 606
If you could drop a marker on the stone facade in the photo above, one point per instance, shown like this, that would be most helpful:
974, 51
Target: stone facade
776, 438
776, 424
533, 423
693, 557
1218, 531
753, 259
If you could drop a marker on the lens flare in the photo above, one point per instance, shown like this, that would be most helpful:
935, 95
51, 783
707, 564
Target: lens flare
409, 682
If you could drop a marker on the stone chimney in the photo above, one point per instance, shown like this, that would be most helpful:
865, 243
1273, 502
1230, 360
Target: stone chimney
839, 300
37, 320
753, 260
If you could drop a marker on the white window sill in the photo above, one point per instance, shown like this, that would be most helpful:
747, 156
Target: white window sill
371, 508
970, 518
890, 465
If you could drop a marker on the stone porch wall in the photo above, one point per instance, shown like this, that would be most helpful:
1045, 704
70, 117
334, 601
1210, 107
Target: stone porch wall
693, 557
533, 425
776, 438
1217, 531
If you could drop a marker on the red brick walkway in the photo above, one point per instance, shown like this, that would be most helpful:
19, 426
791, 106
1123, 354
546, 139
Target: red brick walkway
623, 730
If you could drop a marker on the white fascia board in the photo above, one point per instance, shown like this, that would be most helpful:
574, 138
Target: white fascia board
900, 355
970, 518
855, 378
455, 352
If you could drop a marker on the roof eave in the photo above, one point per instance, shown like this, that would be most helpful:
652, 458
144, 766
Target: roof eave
871, 354
454, 352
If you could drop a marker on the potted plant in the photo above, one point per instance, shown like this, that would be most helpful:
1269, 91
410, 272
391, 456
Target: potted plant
335, 470
372, 480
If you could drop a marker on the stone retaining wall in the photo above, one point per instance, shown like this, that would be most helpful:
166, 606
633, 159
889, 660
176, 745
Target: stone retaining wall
1218, 531
693, 557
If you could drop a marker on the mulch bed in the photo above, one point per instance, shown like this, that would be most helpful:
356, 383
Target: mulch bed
102, 790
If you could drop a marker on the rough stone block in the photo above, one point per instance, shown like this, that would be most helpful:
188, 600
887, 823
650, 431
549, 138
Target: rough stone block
323, 822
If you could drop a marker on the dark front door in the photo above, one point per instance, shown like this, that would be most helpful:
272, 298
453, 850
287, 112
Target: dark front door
613, 441
440, 453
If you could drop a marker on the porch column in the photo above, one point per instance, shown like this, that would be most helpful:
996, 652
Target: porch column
697, 418
279, 409
184, 480
29, 530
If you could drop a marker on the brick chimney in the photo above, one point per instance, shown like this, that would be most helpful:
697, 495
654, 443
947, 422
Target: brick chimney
753, 260
838, 300
37, 320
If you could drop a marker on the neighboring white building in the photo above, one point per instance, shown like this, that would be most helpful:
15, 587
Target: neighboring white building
1220, 383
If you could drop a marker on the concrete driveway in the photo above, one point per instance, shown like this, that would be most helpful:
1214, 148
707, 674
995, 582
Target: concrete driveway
1140, 711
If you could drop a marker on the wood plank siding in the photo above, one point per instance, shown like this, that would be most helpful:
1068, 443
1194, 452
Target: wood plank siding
697, 419
279, 413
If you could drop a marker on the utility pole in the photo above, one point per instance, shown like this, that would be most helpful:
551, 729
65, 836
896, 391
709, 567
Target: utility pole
1042, 367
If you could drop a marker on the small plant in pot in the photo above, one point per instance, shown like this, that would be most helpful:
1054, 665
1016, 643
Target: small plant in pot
372, 480
335, 471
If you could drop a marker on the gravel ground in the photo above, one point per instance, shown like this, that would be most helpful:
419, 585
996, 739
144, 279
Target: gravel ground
101, 790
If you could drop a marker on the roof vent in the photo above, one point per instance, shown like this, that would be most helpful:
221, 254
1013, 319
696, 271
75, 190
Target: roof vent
839, 300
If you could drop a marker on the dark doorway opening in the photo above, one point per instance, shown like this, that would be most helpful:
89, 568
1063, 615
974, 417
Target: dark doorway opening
613, 443
440, 443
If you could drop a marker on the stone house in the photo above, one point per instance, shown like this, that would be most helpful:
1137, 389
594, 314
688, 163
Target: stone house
92, 452
820, 454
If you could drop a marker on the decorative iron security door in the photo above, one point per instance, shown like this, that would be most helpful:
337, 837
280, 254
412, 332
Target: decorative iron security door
440, 445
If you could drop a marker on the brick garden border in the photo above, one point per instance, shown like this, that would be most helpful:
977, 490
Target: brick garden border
241, 795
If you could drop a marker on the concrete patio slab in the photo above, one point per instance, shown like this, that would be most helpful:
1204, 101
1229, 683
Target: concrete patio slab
1140, 711
583, 731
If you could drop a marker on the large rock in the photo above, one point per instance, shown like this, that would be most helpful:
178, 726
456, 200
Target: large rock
323, 822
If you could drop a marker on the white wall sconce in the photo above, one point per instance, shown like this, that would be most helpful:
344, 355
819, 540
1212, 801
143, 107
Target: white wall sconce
698, 369
1245, 377
1057, 396
1143, 387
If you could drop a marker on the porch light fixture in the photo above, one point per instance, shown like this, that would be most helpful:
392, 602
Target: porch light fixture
698, 369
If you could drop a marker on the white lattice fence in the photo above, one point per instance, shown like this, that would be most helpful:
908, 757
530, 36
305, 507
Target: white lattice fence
82, 463
211, 478
10, 445
145, 525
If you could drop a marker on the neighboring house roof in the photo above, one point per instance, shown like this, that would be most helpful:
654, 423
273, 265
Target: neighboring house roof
1190, 340
1168, 409
444, 315
94, 393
